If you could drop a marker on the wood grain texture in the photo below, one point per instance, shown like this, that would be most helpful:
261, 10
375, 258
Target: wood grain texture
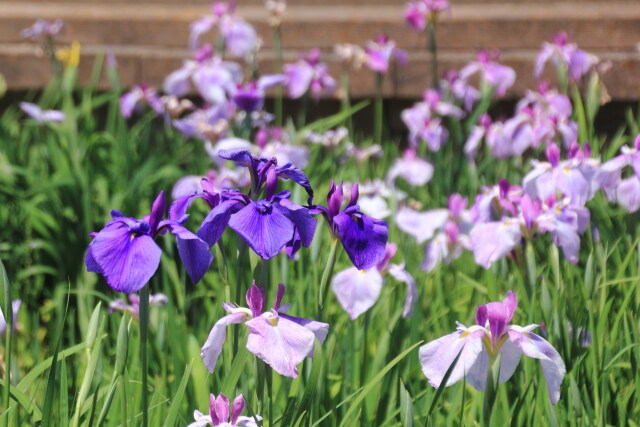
149, 36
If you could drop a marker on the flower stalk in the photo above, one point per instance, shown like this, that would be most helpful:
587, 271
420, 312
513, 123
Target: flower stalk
327, 274
144, 332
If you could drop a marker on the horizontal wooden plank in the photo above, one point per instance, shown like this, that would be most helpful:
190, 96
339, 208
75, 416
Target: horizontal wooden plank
606, 25
23, 69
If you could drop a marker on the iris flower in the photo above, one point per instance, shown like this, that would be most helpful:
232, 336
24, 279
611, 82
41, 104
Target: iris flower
418, 12
280, 340
268, 224
133, 308
380, 51
308, 74
42, 116
15, 306
219, 413
125, 253
139, 94
493, 75
481, 343
625, 191
357, 290
364, 238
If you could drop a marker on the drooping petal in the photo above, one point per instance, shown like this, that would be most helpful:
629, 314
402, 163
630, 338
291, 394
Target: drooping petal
477, 374
399, 273
537, 347
357, 290
281, 343
217, 220
421, 225
194, 252
364, 238
213, 345
126, 260
301, 218
628, 193
437, 356
264, 227
201, 420
493, 240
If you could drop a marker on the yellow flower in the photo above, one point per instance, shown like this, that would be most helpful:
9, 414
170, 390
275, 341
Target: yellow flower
69, 56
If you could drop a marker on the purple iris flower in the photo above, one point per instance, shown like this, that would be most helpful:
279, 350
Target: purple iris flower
493, 75
280, 340
250, 96
219, 413
277, 142
125, 253
624, 191
43, 28
479, 345
15, 306
574, 178
139, 94
358, 290
267, 225
566, 56
42, 116
309, 74
133, 307
380, 51
364, 238
461, 90
418, 12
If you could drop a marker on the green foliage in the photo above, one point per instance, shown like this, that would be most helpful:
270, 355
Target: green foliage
80, 365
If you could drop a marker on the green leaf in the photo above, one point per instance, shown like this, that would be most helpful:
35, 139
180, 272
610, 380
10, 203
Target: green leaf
406, 408
177, 399
349, 416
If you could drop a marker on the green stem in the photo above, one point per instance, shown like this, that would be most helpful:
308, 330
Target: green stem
8, 310
377, 119
493, 374
277, 44
327, 274
433, 48
144, 332
242, 257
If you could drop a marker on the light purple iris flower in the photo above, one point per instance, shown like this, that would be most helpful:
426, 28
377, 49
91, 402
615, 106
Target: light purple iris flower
214, 79
411, 168
358, 290
224, 178
493, 75
374, 197
250, 96
477, 134
418, 12
564, 221
125, 253
239, 37
574, 178
446, 231
460, 89
424, 123
480, 344
280, 340
380, 51
207, 124
276, 142
219, 414
15, 306
565, 55
624, 191
133, 307
308, 74
139, 94
42, 116
43, 28
364, 238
